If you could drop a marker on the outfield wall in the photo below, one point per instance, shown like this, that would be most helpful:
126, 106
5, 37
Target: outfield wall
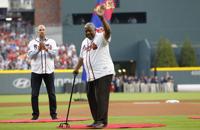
185, 78
18, 82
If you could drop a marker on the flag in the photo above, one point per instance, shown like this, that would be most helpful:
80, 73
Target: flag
110, 5
84, 76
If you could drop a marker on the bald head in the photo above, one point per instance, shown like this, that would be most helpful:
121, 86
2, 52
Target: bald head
41, 29
90, 25
90, 30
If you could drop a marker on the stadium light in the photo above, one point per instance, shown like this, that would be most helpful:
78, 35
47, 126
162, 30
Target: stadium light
124, 70
119, 70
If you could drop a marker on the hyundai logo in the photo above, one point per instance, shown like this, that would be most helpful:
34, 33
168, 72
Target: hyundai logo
21, 83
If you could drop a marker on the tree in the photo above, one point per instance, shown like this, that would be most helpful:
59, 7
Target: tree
165, 56
188, 55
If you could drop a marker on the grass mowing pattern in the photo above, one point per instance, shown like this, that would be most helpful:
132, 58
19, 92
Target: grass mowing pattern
172, 122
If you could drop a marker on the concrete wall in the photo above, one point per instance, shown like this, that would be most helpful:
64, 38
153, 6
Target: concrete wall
173, 19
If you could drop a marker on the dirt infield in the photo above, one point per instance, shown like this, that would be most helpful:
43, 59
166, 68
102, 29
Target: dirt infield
146, 109
128, 108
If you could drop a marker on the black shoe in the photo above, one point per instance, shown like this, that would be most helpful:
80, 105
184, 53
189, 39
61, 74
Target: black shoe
34, 118
99, 126
54, 117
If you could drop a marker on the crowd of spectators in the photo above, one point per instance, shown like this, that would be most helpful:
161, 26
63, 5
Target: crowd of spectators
13, 51
67, 57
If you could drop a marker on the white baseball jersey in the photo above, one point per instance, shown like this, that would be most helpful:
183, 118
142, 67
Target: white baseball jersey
42, 62
96, 57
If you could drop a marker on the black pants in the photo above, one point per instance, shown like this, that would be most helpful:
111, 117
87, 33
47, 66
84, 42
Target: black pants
36, 80
98, 92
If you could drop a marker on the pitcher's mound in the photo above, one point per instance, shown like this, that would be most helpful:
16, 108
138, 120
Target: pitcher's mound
195, 117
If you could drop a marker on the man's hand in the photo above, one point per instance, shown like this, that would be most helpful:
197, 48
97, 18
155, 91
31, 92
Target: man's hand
75, 72
100, 10
100, 13
79, 64
42, 47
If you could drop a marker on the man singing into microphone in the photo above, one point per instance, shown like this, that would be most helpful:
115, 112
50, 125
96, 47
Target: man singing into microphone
42, 52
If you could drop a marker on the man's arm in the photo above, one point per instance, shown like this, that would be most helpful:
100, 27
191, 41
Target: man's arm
33, 51
79, 64
33, 54
106, 26
53, 51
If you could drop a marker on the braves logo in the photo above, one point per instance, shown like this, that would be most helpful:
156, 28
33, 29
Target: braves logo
92, 46
109, 4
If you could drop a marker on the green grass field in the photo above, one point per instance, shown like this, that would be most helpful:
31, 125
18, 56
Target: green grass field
24, 112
